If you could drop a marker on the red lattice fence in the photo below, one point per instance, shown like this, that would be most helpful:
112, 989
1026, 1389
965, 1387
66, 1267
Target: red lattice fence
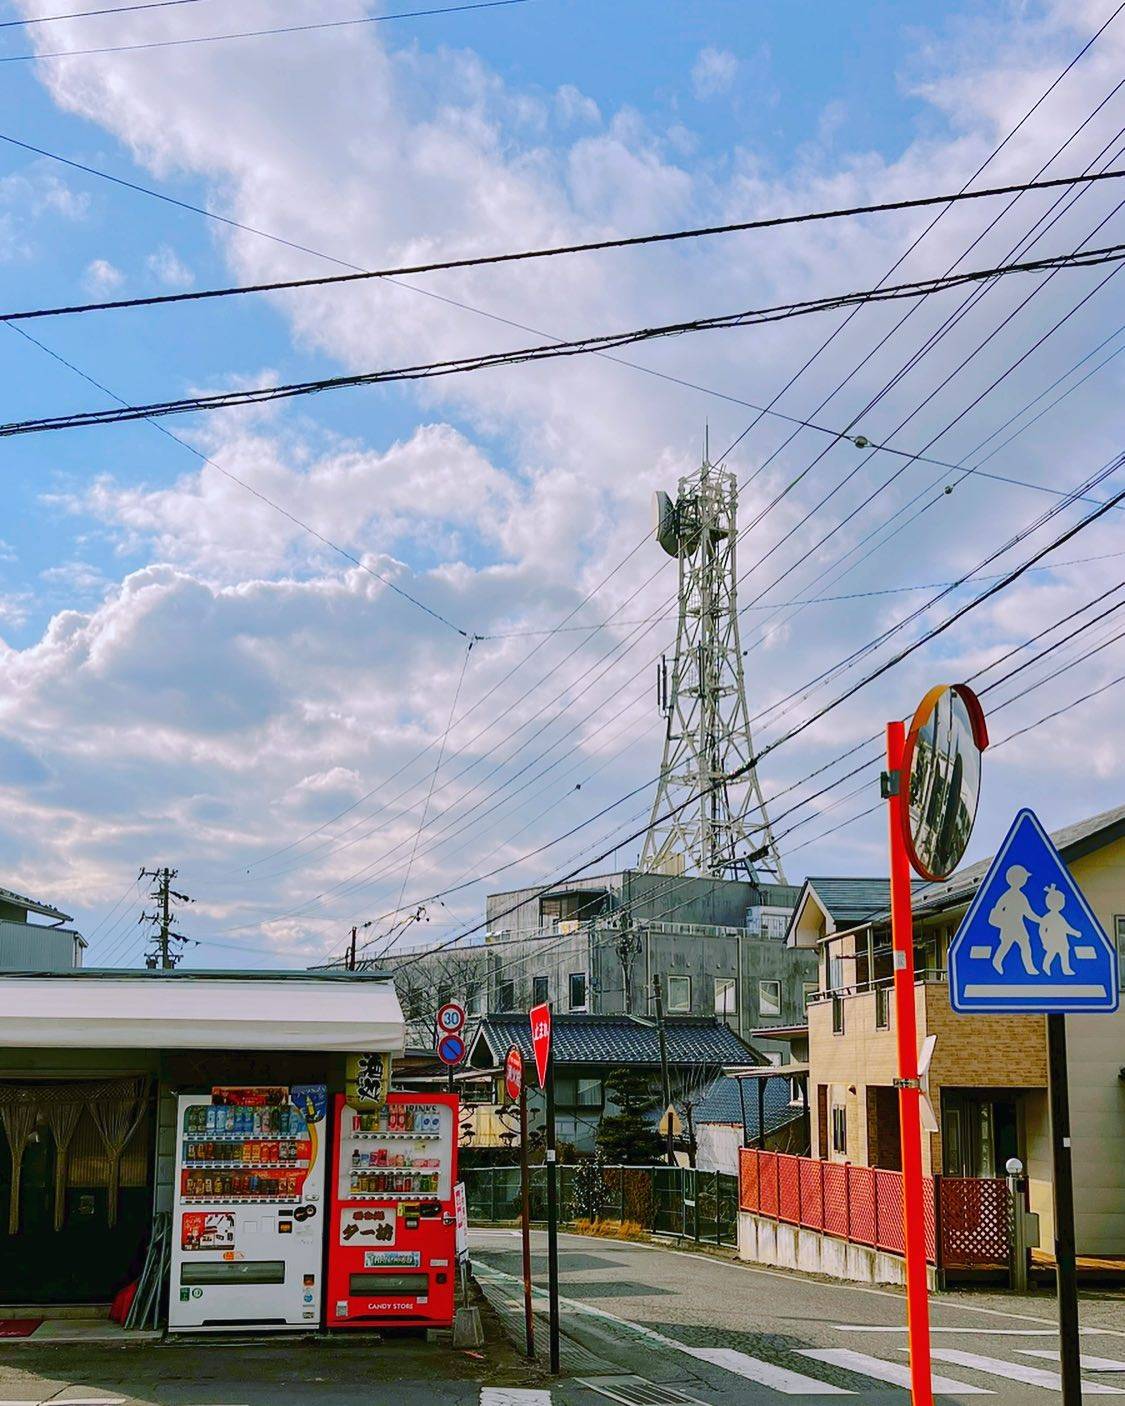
864, 1205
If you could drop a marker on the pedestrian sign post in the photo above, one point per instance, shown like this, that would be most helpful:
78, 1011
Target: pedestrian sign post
1030, 942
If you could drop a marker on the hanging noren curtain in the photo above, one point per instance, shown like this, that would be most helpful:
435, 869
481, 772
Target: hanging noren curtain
117, 1113
19, 1120
62, 1119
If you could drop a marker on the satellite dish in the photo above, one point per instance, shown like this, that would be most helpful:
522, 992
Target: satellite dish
941, 769
665, 528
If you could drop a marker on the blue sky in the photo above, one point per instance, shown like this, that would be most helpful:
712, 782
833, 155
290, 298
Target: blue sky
193, 680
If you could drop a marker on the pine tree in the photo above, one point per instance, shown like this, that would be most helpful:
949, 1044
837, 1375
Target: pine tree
629, 1137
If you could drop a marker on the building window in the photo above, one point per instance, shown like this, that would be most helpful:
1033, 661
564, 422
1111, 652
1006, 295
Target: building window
726, 996
808, 990
577, 991
679, 995
797, 1092
573, 1092
883, 996
837, 1015
472, 998
769, 998
505, 995
839, 1129
835, 973
540, 990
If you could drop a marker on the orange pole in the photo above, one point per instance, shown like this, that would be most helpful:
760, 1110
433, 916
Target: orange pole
909, 1093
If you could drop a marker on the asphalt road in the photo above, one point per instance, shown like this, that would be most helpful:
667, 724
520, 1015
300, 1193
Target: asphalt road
728, 1334
644, 1326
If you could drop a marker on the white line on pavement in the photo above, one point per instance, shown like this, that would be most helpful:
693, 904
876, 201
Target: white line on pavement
1018, 1372
990, 1332
513, 1396
893, 1372
1092, 1364
796, 1277
765, 1373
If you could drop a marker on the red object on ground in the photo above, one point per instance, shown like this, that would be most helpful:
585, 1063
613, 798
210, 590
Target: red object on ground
909, 1093
122, 1303
19, 1327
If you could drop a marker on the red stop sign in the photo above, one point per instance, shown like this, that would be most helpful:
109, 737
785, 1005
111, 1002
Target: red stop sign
540, 1017
513, 1074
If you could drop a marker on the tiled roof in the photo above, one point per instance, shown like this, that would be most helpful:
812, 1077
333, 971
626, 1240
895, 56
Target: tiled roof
720, 1104
33, 905
851, 900
617, 1040
1072, 842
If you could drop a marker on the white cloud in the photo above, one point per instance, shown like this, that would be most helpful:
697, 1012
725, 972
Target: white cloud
713, 73
102, 277
168, 268
221, 700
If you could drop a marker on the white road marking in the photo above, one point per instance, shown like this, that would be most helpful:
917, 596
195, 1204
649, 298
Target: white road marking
893, 1372
513, 1396
1092, 1364
991, 1332
765, 1373
1018, 1372
794, 1277
740, 1363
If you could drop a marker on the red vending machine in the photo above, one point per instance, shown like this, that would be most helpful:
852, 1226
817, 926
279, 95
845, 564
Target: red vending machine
392, 1257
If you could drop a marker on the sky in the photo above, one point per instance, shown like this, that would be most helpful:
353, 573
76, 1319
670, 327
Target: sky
237, 643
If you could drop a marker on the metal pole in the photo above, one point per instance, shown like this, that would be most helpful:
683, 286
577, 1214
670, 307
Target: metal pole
742, 1110
909, 1091
665, 1083
761, 1083
1066, 1273
552, 1216
525, 1227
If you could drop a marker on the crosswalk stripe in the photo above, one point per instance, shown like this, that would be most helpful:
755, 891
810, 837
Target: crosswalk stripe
882, 1371
1018, 1371
1091, 1364
513, 1396
765, 1373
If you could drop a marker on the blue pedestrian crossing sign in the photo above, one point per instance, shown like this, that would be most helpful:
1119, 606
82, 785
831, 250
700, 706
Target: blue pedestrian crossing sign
1030, 942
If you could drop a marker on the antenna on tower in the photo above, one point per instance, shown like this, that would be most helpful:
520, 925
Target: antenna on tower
723, 829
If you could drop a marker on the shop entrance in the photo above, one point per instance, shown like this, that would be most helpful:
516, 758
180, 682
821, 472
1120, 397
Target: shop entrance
75, 1188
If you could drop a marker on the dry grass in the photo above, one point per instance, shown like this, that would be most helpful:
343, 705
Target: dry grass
612, 1229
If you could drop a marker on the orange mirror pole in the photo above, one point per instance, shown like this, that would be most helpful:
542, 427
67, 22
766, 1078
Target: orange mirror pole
909, 1092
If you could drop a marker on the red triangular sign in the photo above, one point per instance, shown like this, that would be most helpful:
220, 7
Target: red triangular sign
540, 1017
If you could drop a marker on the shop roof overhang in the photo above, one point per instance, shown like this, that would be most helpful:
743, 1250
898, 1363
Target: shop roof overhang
329, 1012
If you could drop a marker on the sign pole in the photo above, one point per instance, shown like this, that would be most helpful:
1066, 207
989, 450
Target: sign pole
525, 1227
909, 1090
552, 1215
1066, 1273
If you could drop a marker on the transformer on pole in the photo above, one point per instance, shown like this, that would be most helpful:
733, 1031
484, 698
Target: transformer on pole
701, 691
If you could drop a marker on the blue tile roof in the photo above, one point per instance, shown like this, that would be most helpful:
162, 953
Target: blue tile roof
720, 1104
615, 1040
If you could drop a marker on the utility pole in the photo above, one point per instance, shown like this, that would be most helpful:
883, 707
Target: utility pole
351, 952
665, 1082
162, 956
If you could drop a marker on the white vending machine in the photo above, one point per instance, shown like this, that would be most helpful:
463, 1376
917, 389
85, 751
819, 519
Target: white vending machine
248, 1221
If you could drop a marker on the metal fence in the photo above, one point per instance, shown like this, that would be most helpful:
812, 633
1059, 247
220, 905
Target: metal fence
679, 1201
968, 1219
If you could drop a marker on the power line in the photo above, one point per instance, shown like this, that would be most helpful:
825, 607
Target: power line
87, 14
256, 33
581, 346
553, 251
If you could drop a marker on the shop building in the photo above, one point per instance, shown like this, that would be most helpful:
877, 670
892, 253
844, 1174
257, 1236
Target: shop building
95, 1070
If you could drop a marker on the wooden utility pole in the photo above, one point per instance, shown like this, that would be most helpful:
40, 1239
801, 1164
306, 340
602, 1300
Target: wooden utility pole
665, 1081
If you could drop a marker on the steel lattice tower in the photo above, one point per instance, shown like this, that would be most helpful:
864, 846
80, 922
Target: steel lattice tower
725, 831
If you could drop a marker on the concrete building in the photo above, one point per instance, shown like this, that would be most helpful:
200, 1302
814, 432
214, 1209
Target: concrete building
988, 1077
594, 946
33, 946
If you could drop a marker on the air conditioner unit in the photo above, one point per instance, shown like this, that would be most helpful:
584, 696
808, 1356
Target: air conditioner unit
569, 924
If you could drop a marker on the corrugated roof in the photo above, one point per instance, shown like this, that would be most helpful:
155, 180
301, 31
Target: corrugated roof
614, 1040
721, 1104
33, 905
217, 974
